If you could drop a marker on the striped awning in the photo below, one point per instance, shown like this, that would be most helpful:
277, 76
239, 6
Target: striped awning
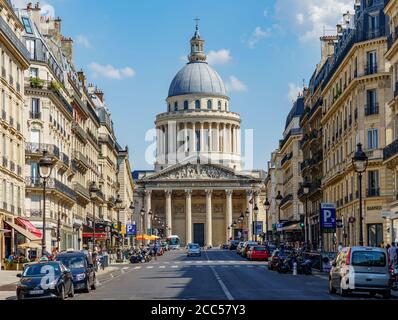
27, 234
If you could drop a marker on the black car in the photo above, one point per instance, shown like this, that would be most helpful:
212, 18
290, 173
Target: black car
82, 269
45, 280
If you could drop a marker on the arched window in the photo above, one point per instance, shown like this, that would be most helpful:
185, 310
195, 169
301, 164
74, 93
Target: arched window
185, 105
219, 105
209, 104
197, 104
176, 106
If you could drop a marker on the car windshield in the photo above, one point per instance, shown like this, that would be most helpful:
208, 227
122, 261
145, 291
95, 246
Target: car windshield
72, 262
369, 259
40, 270
193, 246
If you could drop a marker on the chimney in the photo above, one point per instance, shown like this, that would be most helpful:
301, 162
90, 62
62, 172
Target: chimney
67, 48
55, 32
34, 13
82, 78
99, 94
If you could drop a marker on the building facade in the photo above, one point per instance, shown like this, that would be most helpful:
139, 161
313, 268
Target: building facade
198, 188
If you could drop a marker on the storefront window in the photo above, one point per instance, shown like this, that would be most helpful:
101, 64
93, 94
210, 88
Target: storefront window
375, 234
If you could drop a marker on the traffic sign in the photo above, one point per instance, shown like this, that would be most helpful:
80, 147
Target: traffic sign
131, 229
328, 217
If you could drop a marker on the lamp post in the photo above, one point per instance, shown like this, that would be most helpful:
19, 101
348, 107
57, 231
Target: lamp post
45, 168
306, 190
267, 205
360, 163
132, 208
118, 204
255, 211
93, 194
150, 218
247, 213
278, 200
142, 212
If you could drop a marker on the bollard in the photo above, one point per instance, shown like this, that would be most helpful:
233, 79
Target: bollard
295, 268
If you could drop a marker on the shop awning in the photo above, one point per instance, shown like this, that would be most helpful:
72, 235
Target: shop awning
29, 226
97, 235
292, 227
24, 232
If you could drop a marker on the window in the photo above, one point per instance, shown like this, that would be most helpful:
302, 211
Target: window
34, 170
197, 132
35, 107
375, 234
26, 23
371, 67
197, 104
373, 183
219, 105
372, 105
209, 104
176, 106
373, 25
373, 139
30, 45
169, 108
185, 105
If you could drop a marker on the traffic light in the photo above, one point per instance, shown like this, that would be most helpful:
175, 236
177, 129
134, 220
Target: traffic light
302, 221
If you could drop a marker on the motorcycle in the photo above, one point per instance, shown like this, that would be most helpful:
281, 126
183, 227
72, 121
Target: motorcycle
394, 277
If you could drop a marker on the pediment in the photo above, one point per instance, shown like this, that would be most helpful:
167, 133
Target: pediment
197, 172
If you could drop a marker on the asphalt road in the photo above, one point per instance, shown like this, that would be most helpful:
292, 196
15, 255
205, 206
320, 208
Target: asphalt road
216, 275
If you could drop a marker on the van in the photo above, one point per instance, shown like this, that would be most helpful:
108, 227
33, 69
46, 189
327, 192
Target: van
361, 269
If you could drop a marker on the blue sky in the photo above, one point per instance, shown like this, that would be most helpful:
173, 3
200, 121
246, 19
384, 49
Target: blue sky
132, 50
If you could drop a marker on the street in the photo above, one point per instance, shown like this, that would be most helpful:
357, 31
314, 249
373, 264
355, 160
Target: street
216, 275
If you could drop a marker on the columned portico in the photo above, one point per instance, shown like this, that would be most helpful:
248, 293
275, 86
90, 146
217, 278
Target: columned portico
209, 219
188, 218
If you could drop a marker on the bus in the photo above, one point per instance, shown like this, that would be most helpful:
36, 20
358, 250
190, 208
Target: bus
173, 242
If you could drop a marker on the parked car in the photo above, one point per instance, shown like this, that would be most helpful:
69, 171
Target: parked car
48, 279
258, 253
239, 248
233, 244
81, 268
194, 250
363, 269
246, 247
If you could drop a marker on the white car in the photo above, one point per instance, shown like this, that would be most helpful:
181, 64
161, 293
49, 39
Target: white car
194, 250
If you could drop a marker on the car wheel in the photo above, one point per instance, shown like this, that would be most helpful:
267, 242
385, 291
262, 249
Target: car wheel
93, 286
87, 289
387, 295
331, 288
72, 291
20, 296
62, 293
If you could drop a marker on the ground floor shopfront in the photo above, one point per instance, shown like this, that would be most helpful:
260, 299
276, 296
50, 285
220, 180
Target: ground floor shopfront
200, 203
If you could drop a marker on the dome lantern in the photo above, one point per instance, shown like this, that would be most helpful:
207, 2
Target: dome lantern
197, 46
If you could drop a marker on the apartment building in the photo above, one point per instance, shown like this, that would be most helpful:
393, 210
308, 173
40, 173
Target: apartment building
14, 60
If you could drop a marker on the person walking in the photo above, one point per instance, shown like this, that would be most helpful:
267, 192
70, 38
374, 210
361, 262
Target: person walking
340, 247
392, 253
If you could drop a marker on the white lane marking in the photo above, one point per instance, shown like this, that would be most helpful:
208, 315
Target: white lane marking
220, 282
201, 261
178, 262
174, 267
149, 267
162, 267
136, 268
125, 268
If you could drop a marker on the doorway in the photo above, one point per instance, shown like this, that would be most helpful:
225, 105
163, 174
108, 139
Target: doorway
199, 234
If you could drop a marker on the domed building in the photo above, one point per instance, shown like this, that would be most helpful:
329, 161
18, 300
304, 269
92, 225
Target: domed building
198, 189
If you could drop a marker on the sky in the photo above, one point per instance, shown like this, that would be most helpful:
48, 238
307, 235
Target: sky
264, 50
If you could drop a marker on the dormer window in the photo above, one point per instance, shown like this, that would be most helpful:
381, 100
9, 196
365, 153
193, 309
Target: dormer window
176, 106
197, 104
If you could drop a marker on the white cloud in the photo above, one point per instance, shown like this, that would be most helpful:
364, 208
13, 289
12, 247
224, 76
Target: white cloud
257, 35
309, 18
109, 71
234, 84
294, 91
47, 9
83, 40
219, 57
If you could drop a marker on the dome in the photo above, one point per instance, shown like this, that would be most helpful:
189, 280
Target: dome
197, 77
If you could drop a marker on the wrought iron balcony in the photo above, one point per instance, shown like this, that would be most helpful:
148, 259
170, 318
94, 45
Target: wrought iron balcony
79, 131
36, 182
391, 150
371, 109
81, 190
65, 159
392, 38
286, 158
292, 132
38, 148
373, 192
370, 69
34, 115
286, 199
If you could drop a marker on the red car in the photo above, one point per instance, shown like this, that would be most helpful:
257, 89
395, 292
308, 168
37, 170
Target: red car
258, 253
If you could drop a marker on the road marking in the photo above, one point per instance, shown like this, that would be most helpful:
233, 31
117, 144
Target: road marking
162, 267
174, 267
178, 262
136, 268
200, 261
149, 267
125, 268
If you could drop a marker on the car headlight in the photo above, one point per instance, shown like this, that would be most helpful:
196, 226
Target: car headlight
80, 276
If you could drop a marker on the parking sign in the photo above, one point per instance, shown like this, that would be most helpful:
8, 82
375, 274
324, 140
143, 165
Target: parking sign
328, 217
131, 229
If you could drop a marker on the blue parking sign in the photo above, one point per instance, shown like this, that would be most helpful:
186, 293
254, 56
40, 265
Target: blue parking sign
131, 229
328, 217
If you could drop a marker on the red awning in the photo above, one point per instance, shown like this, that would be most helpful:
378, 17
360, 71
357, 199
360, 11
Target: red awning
29, 226
97, 235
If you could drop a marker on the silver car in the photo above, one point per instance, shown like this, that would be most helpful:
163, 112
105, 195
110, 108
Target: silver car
362, 269
194, 250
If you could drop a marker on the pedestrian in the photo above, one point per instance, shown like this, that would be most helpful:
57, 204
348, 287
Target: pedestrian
382, 244
155, 251
392, 253
340, 247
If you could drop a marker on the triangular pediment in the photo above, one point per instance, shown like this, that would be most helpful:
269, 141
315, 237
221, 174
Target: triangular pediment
197, 172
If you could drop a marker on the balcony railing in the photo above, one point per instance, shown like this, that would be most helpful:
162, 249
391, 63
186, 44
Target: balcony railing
11, 80
3, 115
33, 213
12, 166
81, 158
371, 109
79, 131
3, 72
65, 159
370, 69
19, 170
34, 115
286, 199
391, 150
392, 38
36, 182
374, 192
286, 158
82, 190
38, 148
5, 162
292, 132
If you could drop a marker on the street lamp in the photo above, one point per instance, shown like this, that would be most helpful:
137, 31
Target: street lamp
93, 194
360, 163
150, 217
306, 190
142, 212
267, 206
132, 208
247, 214
255, 211
118, 204
278, 200
45, 168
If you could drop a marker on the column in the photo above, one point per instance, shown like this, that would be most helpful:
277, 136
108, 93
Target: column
209, 219
188, 218
148, 196
157, 143
210, 147
225, 142
168, 212
238, 140
229, 213
249, 200
185, 137
202, 136
193, 138
217, 137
